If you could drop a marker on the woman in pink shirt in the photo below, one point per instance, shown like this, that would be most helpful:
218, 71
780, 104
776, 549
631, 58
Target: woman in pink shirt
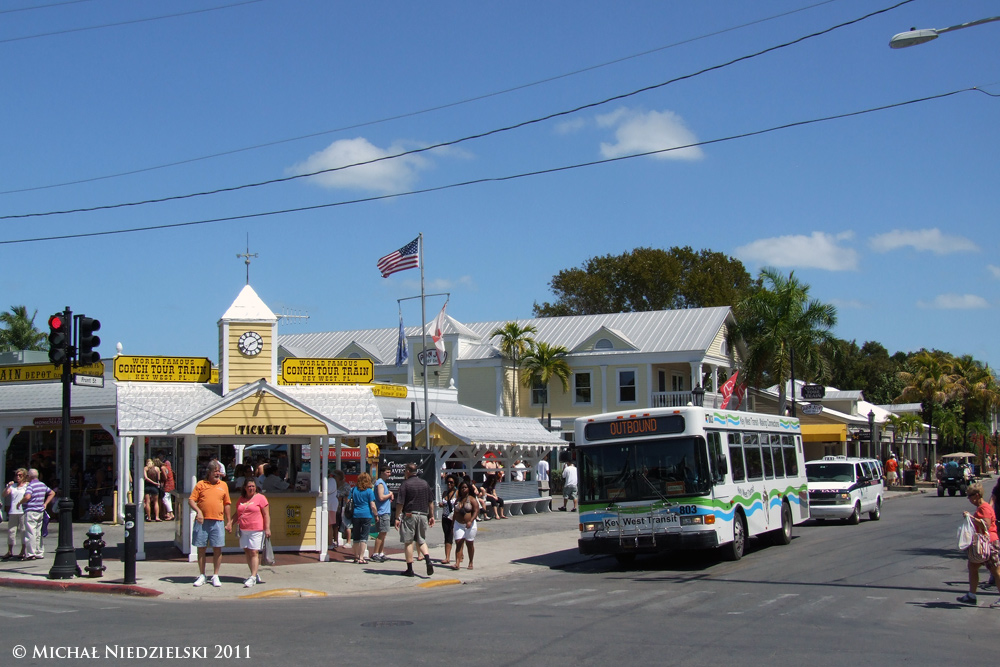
254, 521
985, 521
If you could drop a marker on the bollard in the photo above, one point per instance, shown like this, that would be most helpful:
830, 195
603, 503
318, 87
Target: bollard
130, 543
94, 544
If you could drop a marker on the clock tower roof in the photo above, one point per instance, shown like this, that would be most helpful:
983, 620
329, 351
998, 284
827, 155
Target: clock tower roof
248, 307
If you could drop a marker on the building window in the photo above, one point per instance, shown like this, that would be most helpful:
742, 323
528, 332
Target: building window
626, 386
582, 392
604, 344
677, 382
539, 394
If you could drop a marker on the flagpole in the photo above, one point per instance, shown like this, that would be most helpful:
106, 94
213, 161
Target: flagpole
422, 357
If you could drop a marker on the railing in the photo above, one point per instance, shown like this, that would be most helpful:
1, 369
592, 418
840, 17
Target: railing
676, 399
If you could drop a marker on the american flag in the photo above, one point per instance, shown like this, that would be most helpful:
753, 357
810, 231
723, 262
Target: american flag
407, 257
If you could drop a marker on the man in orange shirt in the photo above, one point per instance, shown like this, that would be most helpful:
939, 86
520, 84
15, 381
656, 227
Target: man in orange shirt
211, 503
891, 466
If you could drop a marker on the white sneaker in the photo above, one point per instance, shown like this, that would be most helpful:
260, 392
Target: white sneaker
250, 582
259, 580
215, 581
200, 581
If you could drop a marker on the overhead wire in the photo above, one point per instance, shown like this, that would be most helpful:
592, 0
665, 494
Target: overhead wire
52, 4
419, 112
497, 179
454, 142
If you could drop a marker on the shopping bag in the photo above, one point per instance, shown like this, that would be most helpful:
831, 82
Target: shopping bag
267, 557
966, 533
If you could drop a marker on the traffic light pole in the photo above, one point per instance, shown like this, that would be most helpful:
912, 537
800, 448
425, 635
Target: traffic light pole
64, 566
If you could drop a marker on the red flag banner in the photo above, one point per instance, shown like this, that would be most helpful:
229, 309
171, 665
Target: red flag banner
727, 388
740, 392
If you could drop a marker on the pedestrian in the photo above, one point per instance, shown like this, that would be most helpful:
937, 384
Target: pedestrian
16, 529
253, 517
891, 466
448, 516
383, 506
166, 491
985, 521
36, 498
493, 498
542, 475
151, 493
343, 490
466, 512
414, 513
365, 511
211, 504
569, 478
518, 473
333, 508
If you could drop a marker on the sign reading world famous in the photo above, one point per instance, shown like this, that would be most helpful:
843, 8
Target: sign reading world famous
327, 371
162, 369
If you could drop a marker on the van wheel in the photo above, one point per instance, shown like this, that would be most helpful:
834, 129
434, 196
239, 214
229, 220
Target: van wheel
876, 513
855, 517
784, 534
735, 549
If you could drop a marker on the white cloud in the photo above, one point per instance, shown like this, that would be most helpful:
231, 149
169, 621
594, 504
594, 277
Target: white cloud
955, 302
570, 126
817, 251
922, 239
391, 175
853, 304
641, 132
994, 270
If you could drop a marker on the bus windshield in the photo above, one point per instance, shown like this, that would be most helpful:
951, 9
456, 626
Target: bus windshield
646, 470
830, 472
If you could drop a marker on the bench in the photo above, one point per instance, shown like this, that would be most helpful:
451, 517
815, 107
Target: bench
522, 498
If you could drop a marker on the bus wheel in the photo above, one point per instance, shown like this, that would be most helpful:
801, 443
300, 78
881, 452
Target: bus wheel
734, 550
855, 517
625, 559
784, 534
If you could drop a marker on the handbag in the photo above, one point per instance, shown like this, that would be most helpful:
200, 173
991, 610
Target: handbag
349, 508
268, 553
979, 550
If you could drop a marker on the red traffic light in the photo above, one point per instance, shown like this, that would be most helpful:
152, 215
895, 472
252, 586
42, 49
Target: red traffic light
56, 322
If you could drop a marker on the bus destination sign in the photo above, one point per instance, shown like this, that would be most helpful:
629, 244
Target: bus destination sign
634, 426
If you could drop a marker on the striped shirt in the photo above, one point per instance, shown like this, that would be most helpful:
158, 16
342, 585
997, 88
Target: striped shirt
38, 491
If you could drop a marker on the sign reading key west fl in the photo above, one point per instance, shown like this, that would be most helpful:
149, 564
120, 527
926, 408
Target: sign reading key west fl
162, 369
326, 371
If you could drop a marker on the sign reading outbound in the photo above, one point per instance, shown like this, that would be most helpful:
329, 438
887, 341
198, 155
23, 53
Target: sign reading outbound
39, 372
327, 371
162, 369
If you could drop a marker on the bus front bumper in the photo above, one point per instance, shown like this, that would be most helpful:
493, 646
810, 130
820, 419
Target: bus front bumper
645, 544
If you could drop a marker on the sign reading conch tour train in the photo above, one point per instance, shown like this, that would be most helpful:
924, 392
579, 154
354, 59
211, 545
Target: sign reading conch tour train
162, 369
326, 371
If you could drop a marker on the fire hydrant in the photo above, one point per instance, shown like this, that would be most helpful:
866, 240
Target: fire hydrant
94, 544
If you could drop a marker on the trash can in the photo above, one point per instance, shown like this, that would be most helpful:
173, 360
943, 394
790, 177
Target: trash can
909, 478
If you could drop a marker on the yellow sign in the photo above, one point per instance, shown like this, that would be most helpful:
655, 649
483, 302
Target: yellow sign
162, 369
40, 372
326, 371
389, 390
293, 520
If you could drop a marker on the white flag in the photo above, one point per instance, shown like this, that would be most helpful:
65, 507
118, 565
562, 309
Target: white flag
438, 335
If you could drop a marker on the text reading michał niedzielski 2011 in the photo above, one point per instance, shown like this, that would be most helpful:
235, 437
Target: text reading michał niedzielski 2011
162, 369
327, 371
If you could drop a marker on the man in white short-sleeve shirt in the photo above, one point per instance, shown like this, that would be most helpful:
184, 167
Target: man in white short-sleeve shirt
542, 473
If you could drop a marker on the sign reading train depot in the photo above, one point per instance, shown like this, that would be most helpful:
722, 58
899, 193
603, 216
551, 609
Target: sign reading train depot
162, 369
326, 371
33, 372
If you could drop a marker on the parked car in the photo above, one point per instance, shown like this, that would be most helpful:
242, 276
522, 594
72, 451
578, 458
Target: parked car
842, 488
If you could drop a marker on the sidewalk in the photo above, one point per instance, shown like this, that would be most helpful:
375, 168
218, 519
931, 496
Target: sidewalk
504, 548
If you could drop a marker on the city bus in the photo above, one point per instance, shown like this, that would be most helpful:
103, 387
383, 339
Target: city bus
688, 478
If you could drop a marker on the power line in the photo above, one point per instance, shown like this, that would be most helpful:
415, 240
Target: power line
54, 4
121, 23
420, 112
465, 139
497, 179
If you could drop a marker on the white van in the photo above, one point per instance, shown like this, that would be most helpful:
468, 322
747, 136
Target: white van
843, 488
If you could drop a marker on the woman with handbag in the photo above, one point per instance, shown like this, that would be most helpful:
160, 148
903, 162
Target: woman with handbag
448, 516
253, 520
362, 503
985, 548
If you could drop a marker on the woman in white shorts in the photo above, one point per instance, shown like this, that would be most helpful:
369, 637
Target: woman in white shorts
466, 511
254, 520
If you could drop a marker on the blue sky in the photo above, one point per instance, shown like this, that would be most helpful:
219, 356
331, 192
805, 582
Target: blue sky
888, 215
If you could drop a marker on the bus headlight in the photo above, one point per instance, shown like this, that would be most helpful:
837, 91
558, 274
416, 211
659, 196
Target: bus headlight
698, 520
591, 526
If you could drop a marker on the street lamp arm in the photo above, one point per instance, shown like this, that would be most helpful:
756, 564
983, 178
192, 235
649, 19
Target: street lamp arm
912, 37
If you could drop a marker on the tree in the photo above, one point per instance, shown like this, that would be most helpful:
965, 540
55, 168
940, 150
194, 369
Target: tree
647, 279
542, 363
929, 380
904, 425
19, 332
868, 368
778, 321
977, 391
515, 341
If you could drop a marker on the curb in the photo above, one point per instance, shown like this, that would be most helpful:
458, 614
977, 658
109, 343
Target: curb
82, 587
285, 593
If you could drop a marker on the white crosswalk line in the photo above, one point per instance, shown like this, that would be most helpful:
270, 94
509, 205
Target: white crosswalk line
636, 599
785, 596
694, 598
543, 599
10, 614
821, 604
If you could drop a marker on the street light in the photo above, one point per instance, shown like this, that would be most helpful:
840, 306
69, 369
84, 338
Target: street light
871, 433
698, 396
912, 37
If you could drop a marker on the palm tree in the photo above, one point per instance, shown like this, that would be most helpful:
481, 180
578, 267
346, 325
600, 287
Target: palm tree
929, 380
515, 341
903, 425
19, 332
542, 363
779, 323
976, 389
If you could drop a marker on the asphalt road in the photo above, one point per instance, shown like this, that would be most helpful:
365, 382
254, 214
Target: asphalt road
837, 595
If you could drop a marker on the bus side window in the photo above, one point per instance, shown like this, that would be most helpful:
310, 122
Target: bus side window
716, 459
791, 461
736, 457
751, 450
779, 465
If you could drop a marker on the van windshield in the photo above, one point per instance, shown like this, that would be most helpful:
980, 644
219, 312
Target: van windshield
830, 472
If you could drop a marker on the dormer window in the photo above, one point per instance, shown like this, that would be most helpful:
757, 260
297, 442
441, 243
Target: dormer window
604, 344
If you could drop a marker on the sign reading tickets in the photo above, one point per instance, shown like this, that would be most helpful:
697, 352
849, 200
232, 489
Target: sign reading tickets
327, 371
39, 372
162, 369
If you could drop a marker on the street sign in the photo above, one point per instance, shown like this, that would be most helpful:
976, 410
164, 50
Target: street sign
429, 357
389, 390
162, 369
41, 372
813, 392
326, 371
87, 381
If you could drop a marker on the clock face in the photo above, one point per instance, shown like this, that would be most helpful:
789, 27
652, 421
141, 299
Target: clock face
250, 343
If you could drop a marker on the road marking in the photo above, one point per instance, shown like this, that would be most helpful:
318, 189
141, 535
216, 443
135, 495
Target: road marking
542, 599
10, 614
694, 597
765, 603
635, 599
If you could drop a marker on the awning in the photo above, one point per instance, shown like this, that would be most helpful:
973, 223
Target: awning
489, 431
824, 432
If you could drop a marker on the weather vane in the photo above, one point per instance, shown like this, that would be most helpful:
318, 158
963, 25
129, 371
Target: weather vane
246, 255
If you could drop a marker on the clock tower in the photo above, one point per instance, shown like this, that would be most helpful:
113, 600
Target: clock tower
248, 334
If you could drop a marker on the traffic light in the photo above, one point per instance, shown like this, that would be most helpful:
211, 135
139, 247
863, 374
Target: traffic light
58, 339
86, 326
